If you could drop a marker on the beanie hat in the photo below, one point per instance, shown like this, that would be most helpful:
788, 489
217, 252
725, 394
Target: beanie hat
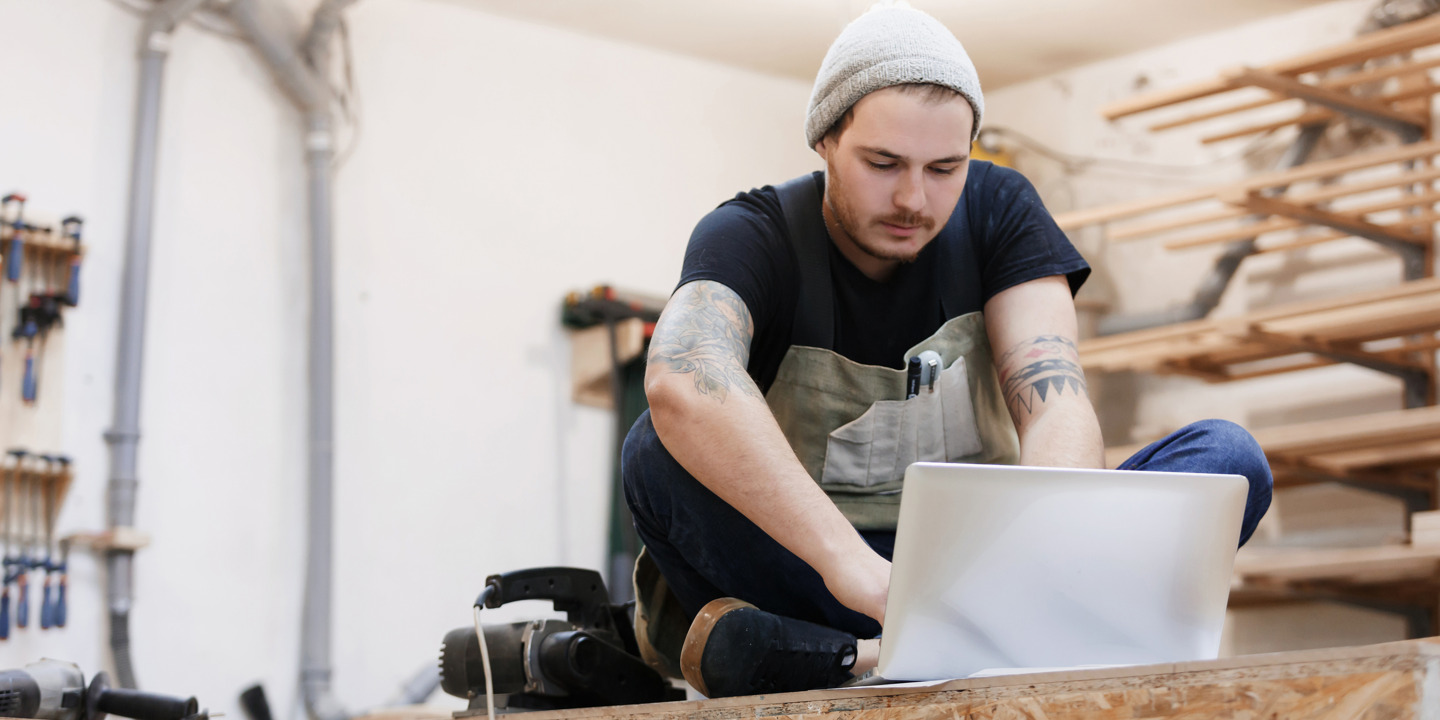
889, 45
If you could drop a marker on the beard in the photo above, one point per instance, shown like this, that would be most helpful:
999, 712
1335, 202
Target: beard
862, 232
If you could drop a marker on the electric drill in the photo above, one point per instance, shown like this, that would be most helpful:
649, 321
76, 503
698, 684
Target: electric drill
56, 690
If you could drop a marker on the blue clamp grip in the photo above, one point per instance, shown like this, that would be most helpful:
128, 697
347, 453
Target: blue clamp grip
22, 606
15, 256
58, 614
72, 290
27, 386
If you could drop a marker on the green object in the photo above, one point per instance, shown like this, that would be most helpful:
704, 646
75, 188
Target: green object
624, 544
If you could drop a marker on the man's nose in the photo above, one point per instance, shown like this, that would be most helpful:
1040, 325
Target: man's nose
910, 192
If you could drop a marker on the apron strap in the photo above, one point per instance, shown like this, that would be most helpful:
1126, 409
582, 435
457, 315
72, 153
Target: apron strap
800, 200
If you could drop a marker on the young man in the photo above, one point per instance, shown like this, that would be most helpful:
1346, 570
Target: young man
765, 479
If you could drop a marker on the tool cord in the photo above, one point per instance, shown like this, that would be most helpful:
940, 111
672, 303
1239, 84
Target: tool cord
485, 657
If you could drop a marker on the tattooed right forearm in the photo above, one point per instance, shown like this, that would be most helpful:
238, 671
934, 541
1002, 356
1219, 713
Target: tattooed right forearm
706, 331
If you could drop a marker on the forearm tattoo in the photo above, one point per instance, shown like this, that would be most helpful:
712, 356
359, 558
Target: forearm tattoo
706, 332
1035, 369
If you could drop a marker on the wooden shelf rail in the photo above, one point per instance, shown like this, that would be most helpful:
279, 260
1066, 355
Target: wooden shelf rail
1384, 195
1397, 450
1375, 76
1389, 328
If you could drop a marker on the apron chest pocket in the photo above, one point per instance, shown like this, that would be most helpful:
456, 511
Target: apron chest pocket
935, 426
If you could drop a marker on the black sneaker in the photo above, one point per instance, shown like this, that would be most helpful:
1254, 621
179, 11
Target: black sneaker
734, 648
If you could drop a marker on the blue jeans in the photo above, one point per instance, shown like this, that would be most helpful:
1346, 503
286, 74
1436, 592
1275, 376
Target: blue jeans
706, 549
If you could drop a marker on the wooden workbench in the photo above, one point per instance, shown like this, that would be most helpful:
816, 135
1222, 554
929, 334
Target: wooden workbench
1394, 680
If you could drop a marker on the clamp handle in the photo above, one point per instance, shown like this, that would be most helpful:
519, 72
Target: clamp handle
47, 606
58, 614
28, 385
22, 606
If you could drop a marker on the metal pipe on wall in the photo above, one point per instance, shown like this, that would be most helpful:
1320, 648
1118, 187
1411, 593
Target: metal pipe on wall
123, 437
307, 87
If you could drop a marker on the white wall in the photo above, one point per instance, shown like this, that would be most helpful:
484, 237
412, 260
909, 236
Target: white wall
501, 164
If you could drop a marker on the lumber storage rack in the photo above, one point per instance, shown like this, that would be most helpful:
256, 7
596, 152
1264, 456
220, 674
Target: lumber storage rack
1384, 194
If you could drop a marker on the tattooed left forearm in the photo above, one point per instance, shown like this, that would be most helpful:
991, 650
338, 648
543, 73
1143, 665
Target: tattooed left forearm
1035, 370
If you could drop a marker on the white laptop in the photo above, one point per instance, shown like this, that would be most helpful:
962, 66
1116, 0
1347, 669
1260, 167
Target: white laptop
1012, 569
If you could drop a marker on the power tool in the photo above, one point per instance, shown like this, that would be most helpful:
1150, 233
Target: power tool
56, 690
589, 659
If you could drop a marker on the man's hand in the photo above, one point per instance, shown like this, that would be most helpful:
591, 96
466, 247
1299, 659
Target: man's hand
862, 583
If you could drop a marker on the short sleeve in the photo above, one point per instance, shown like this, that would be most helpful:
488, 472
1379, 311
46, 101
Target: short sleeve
1016, 238
740, 246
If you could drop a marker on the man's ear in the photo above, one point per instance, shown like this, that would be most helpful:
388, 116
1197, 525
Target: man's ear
824, 147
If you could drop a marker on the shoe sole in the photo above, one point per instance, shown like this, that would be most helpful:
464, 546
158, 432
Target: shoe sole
699, 635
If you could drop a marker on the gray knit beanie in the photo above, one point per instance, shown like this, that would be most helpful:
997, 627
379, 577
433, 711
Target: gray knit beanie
890, 44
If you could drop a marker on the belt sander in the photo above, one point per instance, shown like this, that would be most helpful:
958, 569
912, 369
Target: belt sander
589, 659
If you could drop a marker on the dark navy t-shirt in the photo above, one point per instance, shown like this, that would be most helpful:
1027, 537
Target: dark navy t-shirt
744, 244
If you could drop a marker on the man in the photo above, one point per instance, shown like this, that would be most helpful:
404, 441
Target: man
765, 478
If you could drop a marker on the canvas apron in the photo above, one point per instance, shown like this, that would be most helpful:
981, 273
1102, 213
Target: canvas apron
850, 425
853, 430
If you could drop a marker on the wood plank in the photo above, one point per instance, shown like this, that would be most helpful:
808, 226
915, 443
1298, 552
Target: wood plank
1193, 118
1081, 218
1410, 346
1396, 681
1331, 192
1351, 432
1163, 98
1390, 41
1345, 222
1308, 117
1404, 201
1244, 232
1315, 115
1303, 241
1380, 72
1281, 345
1277, 83
1415, 225
1385, 561
1270, 319
1234, 375
1364, 322
1134, 230
1342, 463
1310, 171
1398, 39
1341, 165
1348, 80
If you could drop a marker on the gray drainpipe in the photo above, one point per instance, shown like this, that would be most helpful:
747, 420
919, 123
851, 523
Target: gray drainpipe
123, 437
306, 86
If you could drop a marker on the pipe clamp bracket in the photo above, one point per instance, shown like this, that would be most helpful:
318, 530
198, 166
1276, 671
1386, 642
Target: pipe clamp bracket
158, 42
319, 141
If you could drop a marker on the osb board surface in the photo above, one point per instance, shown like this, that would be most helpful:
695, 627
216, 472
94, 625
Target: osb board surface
1377, 681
